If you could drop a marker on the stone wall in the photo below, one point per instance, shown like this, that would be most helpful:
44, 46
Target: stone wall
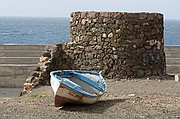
120, 45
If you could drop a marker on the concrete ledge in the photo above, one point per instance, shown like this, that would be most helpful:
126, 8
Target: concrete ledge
171, 48
13, 82
170, 61
21, 65
172, 55
20, 53
19, 60
13, 75
10, 92
22, 47
16, 70
173, 69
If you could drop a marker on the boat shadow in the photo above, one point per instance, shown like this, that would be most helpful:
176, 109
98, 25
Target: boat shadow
98, 107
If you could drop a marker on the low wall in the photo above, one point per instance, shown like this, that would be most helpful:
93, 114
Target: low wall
17, 62
172, 67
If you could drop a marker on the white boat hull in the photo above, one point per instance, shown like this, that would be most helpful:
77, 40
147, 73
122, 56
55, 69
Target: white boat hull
65, 94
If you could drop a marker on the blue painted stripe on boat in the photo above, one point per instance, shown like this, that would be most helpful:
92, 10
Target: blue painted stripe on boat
58, 75
73, 87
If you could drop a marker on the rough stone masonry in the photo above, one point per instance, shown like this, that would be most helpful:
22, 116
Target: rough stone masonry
119, 44
122, 44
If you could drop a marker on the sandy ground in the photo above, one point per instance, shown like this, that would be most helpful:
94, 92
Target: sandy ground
125, 99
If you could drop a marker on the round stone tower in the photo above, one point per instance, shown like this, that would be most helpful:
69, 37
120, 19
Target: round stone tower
121, 44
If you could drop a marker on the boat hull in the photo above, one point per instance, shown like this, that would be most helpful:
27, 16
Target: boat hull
73, 91
65, 96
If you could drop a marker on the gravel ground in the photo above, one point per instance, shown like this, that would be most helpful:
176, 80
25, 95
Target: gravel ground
125, 99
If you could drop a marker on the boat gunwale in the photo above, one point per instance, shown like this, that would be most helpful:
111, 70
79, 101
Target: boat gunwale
80, 90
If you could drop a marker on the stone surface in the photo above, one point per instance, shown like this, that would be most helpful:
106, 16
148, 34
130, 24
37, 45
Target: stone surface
132, 42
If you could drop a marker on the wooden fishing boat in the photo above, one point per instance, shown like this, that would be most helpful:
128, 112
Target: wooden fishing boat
75, 86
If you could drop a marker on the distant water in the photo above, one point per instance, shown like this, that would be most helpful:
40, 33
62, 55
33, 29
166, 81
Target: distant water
172, 32
27, 30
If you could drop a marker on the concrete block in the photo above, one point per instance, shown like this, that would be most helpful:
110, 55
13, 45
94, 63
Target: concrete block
24, 47
16, 70
172, 55
10, 92
14, 75
12, 81
20, 53
172, 49
1, 47
19, 60
173, 69
172, 61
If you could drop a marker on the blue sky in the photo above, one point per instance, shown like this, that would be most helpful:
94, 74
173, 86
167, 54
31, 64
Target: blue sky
63, 8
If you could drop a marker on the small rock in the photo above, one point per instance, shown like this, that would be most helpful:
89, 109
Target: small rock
94, 30
30, 79
54, 54
43, 59
45, 68
46, 54
131, 95
115, 56
130, 26
104, 35
110, 35
142, 16
47, 63
94, 20
142, 116
83, 22
118, 30
148, 47
27, 86
80, 47
35, 73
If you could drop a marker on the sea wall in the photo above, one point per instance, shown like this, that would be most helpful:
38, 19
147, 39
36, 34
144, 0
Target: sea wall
120, 45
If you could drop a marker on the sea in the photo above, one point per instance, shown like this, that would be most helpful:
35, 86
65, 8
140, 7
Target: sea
42, 30
34, 30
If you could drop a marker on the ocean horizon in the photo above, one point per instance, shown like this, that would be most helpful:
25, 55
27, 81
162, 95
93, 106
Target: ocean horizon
34, 30
48, 30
